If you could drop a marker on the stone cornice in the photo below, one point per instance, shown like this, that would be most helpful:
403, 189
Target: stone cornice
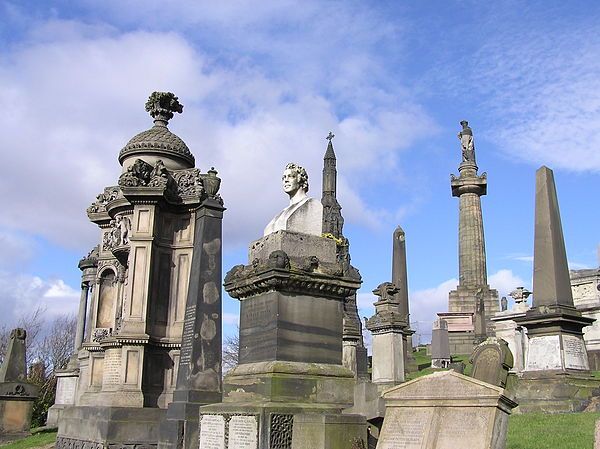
247, 283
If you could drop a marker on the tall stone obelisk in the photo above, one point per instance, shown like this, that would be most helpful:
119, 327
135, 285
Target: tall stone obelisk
473, 302
400, 280
354, 351
557, 373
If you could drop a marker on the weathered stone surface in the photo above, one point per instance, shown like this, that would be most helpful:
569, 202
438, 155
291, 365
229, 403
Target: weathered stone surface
331, 431
280, 326
492, 360
294, 244
445, 410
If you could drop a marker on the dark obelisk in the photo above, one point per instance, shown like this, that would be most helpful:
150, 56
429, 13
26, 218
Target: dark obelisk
354, 351
473, 297
199, 375
400, 280
557, 375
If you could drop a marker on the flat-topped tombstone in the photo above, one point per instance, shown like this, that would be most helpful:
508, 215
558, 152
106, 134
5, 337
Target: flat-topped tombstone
212, 432
445, 410
492, 360
243, 432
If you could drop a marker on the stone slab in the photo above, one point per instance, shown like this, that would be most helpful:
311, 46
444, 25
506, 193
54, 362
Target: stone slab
211, 432
243, 432
544, 353
575, 353
294, 245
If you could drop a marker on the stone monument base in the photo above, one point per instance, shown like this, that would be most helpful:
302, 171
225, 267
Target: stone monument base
278, 425
290, 382
559, 393
109, 427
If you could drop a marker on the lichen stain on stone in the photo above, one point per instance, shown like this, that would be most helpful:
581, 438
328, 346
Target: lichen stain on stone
210, 293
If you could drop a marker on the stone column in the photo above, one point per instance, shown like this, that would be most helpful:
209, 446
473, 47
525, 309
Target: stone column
473, 296
81, 316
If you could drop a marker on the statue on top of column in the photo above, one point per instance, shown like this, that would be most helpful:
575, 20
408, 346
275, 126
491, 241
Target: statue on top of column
466, 142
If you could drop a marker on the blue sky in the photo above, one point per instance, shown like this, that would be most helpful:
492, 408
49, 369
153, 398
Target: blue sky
262, 83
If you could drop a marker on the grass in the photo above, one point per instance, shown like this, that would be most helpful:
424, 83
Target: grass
424, 363
537, 431
41, 437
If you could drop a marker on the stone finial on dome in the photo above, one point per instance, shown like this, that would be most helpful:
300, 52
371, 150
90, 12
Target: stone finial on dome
162, 105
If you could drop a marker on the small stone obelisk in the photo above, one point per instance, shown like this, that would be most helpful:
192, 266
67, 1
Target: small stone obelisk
354, 351
556, 372
473, 299
16, 395
400, 280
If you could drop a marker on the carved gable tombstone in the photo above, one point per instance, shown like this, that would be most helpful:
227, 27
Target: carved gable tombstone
445, 410
492, 360
16, 395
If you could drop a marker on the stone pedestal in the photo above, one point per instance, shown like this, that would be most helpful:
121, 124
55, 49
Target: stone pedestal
440, 348
66, 389
290, 337
389, 330
515, 335
445, 410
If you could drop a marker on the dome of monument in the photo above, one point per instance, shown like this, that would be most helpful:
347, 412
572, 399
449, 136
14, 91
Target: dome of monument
158, 142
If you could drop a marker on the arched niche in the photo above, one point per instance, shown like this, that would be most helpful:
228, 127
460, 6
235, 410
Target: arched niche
107, 297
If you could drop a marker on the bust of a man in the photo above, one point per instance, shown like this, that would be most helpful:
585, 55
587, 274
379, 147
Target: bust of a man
303, 214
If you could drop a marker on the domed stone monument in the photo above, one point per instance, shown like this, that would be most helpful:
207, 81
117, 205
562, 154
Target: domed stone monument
150, 286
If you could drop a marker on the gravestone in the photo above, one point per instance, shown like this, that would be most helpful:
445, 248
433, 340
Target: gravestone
492, 360
16, 395
440, 345
445, 410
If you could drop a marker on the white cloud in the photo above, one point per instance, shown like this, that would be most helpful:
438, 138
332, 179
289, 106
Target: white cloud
506, 281
231, 318
541, 91
22, 293
76, 96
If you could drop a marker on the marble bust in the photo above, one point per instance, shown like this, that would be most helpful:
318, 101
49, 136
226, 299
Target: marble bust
303, 214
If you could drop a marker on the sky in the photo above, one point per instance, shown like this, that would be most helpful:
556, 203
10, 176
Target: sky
262, 84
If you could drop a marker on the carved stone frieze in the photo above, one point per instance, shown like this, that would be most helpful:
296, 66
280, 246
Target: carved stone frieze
109, 194
142, 174
101, 333
294, 275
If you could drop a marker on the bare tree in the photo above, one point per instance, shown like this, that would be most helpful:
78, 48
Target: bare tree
57, 346
32, 322
231, 350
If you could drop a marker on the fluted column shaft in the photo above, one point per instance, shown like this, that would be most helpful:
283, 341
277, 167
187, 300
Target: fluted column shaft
471, 243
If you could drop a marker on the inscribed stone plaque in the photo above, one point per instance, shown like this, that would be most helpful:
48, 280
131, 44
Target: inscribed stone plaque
463, 427
405, 428
544, 353
575, 353
243, 432
212, 432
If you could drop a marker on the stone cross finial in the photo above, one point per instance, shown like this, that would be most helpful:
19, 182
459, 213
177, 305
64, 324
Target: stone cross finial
330, 136
162, 105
